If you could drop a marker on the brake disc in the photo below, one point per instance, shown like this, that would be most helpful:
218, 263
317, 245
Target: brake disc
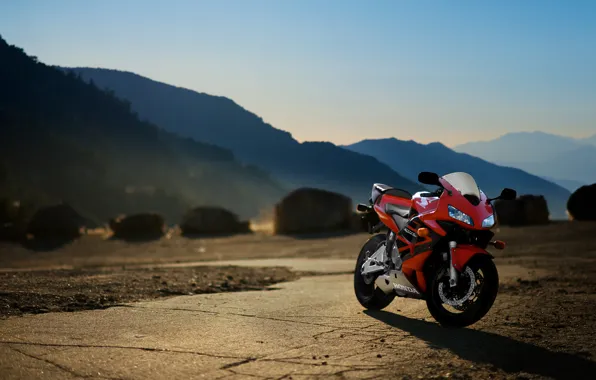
454, 301
469, 301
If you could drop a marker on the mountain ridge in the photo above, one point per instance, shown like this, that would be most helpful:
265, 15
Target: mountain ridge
63, 139
210, 119
412, 157
543, 154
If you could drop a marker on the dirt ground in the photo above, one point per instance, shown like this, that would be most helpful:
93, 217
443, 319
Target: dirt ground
544, 325
98, 288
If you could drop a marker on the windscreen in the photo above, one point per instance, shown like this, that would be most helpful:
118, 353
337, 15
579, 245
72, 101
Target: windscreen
464, 183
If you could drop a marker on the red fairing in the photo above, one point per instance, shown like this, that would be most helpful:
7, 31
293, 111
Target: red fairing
477, 213
463, 253
390, 199
425, 205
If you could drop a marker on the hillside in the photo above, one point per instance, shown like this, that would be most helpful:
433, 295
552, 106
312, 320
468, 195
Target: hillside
568, 184
520, 147
576, 165
220, 121
410, 158
589, 140
559, 157
64, 139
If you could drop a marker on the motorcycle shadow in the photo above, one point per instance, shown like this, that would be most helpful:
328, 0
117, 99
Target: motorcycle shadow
505, 353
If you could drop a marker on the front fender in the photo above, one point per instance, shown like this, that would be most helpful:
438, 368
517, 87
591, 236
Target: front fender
463, 253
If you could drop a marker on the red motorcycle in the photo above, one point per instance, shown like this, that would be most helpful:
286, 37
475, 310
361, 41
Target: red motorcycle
434, 248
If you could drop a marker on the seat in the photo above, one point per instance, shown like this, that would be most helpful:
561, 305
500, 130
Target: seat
386, 189
379, 189
382, 187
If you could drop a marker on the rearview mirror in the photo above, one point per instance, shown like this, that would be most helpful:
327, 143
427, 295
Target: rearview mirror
429, 178
508, 194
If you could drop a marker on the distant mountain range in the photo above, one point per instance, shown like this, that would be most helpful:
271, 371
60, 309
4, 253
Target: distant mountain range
94, 138
567, 161
588, 140
350, 169
568, 184
63, 139
410, 158
220, 121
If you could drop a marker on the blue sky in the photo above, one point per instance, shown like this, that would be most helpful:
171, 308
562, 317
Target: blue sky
341, 70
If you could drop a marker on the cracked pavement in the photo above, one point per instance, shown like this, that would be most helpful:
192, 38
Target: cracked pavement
309, 328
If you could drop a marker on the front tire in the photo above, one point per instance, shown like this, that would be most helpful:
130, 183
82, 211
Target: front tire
367, 293
478, 304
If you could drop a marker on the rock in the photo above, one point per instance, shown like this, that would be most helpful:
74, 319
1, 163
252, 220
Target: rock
212, 220
526, 210
57, 221
145, 225
13, 224
582, 203
12, 232
9, 210
509, 212
358, 223
309, 210
535, 209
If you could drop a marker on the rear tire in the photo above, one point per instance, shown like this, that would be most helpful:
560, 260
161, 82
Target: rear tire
369, 295
487, 293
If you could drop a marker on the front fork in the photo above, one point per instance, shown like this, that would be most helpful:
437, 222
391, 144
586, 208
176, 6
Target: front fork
453, 275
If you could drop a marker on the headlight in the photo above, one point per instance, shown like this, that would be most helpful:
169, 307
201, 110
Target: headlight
456, 214
488, 222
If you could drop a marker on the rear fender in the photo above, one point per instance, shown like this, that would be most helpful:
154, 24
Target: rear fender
463, 253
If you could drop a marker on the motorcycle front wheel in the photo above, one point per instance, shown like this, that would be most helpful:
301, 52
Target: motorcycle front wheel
366, 291
470, 300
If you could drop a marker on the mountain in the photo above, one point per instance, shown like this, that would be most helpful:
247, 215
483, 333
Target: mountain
520, 147
589, 140
220, 121
62, 138
569, 184
410, 158
539, 153
577, 165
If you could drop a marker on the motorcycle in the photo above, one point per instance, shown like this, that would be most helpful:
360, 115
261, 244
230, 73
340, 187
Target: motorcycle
434, 248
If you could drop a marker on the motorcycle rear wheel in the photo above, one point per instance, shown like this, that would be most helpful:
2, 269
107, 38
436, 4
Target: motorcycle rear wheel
472, 310
369, 295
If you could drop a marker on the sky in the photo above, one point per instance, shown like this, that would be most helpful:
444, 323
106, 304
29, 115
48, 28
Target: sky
343, 70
